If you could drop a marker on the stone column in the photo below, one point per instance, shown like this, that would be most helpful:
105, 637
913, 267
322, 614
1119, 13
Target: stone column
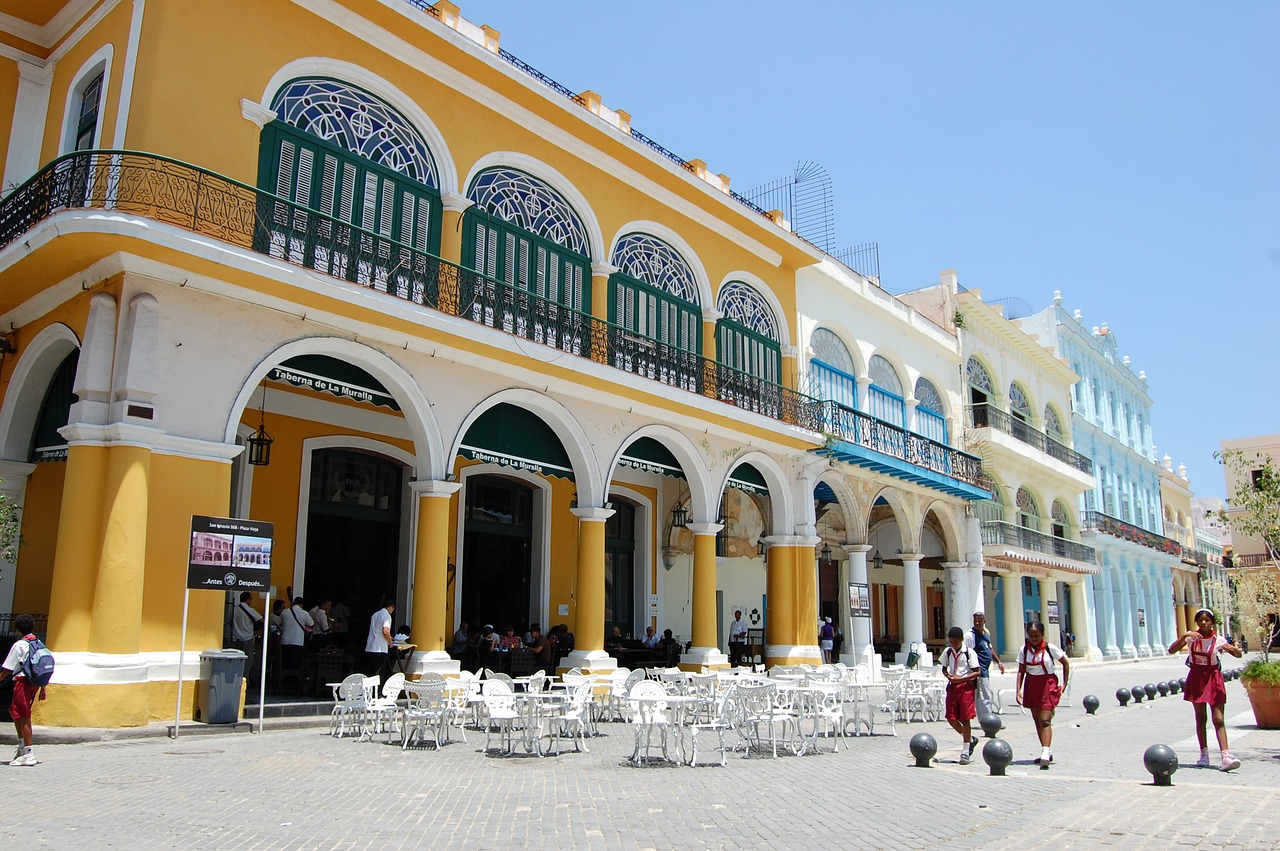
75, 560
912, 604
1126, 617
430, 603
962, 598
588, 652
1082, 620
1014, 628
117, 596
858, 640
600, 273
792, 618
705, 649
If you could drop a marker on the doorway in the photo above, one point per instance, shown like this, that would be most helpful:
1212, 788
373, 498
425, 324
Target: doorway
497, 553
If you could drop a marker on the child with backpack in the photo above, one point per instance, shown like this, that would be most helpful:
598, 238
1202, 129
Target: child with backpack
30, 664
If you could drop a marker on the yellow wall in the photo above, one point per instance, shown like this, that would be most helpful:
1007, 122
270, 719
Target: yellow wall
8, 98
114, 30
41, 507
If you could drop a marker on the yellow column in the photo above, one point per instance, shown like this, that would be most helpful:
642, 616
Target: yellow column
589, 628
780, 623
117, 598
451, 250
806, 579
75, 561
430, 575
709, 351
704, 588
1180, 612
600, 273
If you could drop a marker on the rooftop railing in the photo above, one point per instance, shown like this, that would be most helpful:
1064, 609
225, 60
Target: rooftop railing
989, 416
1096, 521
1000, 532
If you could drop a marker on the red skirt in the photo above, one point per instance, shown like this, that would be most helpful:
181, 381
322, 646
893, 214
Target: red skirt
960, 701
1205, 685
1041, 692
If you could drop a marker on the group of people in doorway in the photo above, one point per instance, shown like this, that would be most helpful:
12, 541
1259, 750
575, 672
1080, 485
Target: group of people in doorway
483, 648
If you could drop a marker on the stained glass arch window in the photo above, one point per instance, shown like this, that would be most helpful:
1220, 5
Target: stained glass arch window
1028, 511
530, 204
977, 375
357, 121
1018, 404
927, 396
652, 261
833, 375
1052, 425
654, 294
930, 421
747, 343
740, 303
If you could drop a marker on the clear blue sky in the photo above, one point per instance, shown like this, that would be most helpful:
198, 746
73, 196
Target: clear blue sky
1125, 153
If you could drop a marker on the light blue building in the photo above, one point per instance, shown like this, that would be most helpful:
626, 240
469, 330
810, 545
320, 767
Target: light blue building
1111, 422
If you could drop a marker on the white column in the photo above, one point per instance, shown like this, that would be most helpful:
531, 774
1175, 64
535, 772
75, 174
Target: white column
1014, 634
13, 485
30, 109
912, 604
962, 598
1126, 616
858, 646
1082, 619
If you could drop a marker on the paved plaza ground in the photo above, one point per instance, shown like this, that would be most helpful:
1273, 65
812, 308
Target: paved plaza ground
300, 788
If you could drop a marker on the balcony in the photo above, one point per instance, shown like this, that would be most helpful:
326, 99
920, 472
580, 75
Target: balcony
1010, 534
989, 416
861, 439
1096, 521
217, 207
1253, 560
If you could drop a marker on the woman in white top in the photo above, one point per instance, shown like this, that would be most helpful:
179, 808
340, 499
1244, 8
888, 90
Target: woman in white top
1038, 687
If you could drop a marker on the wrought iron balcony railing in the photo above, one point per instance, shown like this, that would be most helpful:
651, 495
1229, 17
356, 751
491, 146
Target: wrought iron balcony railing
864, 430
201, 201
989, 416
1000, 532
1096, 521
1252, 560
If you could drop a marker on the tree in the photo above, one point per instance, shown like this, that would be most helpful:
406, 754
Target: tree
1255, 514
10, 528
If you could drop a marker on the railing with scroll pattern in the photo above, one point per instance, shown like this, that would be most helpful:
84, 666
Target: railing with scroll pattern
1000, 532
1096, 521
982, 416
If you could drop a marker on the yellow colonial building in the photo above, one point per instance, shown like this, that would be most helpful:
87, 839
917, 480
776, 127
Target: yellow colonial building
517, 362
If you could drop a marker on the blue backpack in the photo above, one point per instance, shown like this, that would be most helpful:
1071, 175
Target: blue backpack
38, 668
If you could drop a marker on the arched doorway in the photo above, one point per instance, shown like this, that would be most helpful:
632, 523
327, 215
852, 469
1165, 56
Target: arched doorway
497, 552
619, 568
353, 529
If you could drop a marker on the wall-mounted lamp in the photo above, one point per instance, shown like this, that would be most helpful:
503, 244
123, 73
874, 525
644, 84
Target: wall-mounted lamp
260, 442
825, 552
876, 561
669, 557
7, 345
761, 547
450, 477
937, 584
609, 506
451, 571
679, 517
573, 501
995, 583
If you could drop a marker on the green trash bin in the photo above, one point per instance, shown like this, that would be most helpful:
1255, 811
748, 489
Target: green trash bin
221, 675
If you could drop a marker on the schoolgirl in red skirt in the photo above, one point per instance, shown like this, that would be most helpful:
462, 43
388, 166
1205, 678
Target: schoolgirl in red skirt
1205, 687
1038, 686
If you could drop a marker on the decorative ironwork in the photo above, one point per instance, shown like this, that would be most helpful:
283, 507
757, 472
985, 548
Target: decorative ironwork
649, 259
541, 77
357, 121
220, 208
1018, 403
855, 427
984, 416
529, 204
740, 303
999, 532
1027, 503
1096, 521
977, 375
1052, 425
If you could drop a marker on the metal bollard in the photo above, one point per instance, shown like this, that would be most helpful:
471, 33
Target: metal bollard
997, 754
923, 747
1161, 761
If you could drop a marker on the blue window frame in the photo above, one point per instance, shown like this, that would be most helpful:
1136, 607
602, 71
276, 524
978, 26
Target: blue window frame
884, 396
832, 371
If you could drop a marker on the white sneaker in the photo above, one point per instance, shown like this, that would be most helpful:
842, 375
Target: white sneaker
964, 756
30, 759
1203, 761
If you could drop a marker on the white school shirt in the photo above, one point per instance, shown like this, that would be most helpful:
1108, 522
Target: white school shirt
1041, 664
962, 663
243, 617
292, 620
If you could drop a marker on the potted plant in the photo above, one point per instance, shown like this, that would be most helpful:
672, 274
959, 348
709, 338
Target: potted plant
1255, 514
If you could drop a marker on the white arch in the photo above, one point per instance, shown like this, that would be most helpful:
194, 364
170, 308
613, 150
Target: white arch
31, 376
766, 292
899, 368
677, 242
855, 516
424, 431
696, 475
99, 61
572, 437
537, 168
323, 66
952, 531
847, 337
780, 497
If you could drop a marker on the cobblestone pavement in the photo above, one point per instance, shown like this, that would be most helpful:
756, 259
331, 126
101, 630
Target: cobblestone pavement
304, 789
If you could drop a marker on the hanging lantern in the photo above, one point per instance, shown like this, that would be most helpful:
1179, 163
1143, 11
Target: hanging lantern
260, 442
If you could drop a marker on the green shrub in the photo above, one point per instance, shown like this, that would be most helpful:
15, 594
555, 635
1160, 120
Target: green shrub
1261, 672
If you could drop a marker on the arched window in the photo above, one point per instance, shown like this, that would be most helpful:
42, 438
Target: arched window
884, 396
1061, 519
1028, 511
991, 510
524, 233
979, 391
747, 335
342, 151
1053, 425
929, 419
88, 108
654, 293
832, 374
1019, 407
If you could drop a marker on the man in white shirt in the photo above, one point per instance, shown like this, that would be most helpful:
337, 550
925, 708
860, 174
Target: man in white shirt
294, 624
377, 647
651, 639
245, 621
324, 625
737, 638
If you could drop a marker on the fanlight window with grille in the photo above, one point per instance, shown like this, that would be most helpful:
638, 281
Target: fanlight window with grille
524, 201
1028, 511
747, 334
654, 293
884, 396
1018, 404
1052, 425
929, 418
833, 375
991, 510
977, 375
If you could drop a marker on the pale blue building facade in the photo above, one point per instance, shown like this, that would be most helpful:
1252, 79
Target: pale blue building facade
1111, 423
